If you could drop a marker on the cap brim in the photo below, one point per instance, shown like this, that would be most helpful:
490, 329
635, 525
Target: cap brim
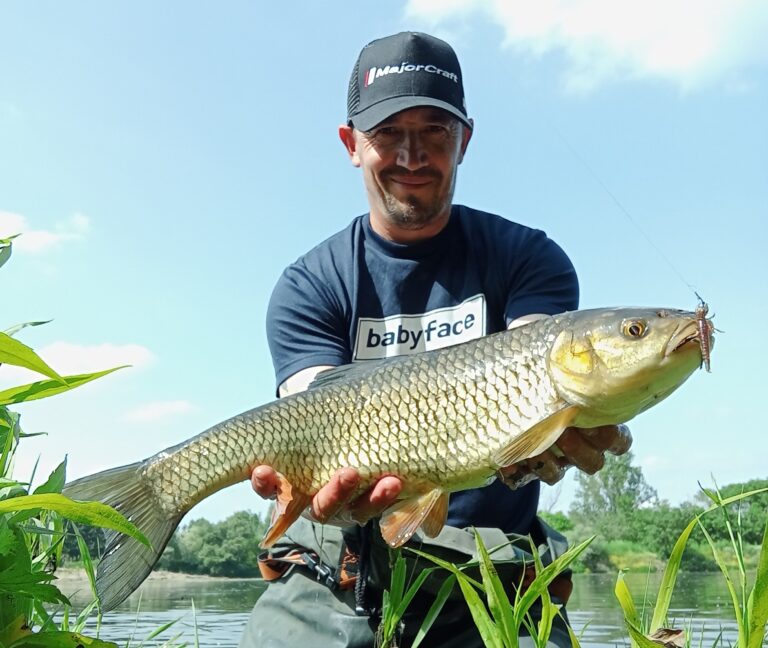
367, 119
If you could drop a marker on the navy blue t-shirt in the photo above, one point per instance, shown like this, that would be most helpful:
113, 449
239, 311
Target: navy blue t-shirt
358, 296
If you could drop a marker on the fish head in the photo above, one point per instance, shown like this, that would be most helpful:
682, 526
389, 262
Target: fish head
616, 363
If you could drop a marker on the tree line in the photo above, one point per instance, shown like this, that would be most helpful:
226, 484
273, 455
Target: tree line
627, 517
616, 505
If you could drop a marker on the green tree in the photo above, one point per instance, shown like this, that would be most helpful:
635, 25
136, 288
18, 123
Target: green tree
226, 548
608, 501
557, 520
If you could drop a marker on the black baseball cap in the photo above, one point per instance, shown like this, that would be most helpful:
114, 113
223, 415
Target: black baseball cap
406, 70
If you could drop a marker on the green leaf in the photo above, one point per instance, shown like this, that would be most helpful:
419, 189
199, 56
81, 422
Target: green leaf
626, 602
673, 564
639, 639
757, 608
55, 481
18, 354
545, 577
18, 327
91, 513
26, 585
46, 388
59, 639
6, 248
437, 605
498, 601
729, 583
489, 633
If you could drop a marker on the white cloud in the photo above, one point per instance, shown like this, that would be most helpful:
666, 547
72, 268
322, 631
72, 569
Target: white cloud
31, 240
159, 410
688, 42
68, 359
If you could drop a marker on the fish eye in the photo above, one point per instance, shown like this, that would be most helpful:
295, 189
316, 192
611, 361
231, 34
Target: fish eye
635, 328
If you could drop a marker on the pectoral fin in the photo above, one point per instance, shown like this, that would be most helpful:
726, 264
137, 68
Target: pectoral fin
536, 439
400, 521
289, 506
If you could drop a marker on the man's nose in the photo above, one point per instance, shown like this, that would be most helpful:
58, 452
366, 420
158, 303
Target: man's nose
411, 153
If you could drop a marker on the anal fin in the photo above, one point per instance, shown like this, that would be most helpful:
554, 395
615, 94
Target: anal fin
537, 438
400, 521
435, 520
289, 506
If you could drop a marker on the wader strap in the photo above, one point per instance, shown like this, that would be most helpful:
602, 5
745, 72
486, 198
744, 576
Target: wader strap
274, 567
361, 606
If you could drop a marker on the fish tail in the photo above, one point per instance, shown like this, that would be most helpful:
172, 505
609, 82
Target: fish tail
126, 562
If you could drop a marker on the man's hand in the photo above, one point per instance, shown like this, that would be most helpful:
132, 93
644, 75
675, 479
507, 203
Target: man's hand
335, 503
584, 448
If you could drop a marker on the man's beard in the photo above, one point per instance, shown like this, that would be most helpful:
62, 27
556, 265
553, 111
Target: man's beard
413, 212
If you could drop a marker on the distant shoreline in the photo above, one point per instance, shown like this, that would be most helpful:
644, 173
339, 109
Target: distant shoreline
77, 573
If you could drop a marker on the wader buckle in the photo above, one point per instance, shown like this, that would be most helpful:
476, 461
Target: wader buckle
323, 572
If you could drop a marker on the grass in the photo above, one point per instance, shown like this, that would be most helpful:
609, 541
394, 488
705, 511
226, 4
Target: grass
749, 597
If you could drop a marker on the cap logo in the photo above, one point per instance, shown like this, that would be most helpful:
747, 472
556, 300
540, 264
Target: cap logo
375, 72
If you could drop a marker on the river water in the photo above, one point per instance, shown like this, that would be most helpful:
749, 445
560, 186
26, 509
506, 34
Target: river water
222, 606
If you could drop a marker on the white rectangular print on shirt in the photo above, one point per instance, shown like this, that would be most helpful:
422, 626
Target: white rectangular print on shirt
406, 334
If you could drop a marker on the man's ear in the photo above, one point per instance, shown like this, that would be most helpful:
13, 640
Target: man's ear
466, 135
347, 136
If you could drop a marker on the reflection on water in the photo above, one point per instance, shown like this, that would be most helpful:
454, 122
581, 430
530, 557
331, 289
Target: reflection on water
222, 607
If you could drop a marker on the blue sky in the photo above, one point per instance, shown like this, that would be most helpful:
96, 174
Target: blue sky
165, 161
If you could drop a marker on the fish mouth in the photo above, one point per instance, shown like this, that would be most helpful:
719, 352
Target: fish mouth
687, 335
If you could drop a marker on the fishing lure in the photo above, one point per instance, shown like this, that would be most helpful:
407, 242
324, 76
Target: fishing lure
705, 328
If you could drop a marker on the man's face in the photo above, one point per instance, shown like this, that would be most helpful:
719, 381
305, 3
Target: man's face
409, 164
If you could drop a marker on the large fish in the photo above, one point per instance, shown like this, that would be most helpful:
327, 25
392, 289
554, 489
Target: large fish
443, 421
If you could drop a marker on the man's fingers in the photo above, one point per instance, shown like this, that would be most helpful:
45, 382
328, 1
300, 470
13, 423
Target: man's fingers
376, 500
581, 451
615, 439
335, 494
622, 441
264, 481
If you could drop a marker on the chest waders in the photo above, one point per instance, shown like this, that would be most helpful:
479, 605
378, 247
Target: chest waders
357, 559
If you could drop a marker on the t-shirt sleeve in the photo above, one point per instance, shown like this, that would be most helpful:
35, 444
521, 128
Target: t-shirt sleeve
304, 324
543, 280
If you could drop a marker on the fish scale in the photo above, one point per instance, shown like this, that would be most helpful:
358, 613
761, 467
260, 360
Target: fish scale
442, 421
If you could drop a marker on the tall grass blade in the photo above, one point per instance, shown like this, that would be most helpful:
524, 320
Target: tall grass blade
757, 607
489, 633
670, 577
627, 603
194, 624
731, 587
442, 596
88, 566
544, 578
498, 601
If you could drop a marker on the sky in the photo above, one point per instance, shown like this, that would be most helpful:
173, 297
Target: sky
165, 161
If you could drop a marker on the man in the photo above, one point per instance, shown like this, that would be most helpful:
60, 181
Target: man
386, 285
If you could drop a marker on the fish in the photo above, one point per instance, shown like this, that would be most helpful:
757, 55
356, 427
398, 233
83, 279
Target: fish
442, 420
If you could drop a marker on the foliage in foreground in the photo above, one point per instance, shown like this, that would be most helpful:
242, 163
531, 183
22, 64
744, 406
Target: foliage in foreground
32, 524
500, 621
749, 603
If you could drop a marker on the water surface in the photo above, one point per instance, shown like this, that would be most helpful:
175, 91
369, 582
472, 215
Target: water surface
223, 605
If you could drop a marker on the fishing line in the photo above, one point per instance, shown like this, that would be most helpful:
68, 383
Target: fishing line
624, 210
